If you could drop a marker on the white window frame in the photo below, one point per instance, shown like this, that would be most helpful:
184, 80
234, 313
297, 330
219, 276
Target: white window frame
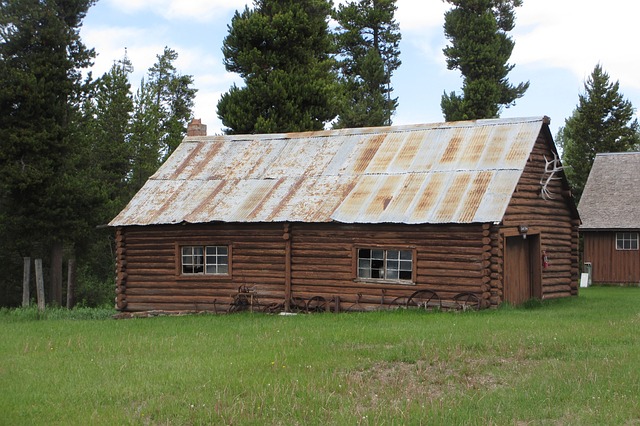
384, 264
200, 259
626, 241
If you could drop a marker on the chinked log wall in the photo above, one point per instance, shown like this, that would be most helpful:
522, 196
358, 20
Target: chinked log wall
450, 259
552, 218
148, 266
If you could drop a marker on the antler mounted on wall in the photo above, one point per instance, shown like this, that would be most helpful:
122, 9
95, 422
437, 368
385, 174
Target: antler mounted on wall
551, 167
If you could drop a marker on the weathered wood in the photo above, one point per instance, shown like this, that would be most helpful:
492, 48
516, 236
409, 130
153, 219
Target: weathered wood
55, 274
71, 283
39, 284
26, 279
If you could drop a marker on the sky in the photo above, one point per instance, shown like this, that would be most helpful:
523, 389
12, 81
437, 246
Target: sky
558, 44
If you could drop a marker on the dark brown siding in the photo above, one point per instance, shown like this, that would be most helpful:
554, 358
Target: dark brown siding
610, 266
554, 220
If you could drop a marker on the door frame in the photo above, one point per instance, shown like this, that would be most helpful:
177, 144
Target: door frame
534, 238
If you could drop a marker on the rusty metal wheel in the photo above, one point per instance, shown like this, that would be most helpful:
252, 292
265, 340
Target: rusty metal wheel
425, 299
317, 304
399, 302
273, 308
467, 301
297, 304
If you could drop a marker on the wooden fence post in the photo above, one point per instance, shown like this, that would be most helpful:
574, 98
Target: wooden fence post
26, 277
39, 284
71, 283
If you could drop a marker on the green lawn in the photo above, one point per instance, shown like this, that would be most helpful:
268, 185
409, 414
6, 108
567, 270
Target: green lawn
573, 361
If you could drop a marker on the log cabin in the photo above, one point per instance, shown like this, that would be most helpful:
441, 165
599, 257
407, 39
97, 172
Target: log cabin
457, 214
610, 212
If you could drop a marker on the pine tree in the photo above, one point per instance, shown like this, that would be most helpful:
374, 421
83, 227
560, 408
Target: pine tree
281, 48
173, 98
162, 108
43, 199
108, 124
145, 136
480, 48
368, 39
602, 122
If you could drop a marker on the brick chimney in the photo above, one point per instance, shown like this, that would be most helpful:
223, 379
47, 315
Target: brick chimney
196, 128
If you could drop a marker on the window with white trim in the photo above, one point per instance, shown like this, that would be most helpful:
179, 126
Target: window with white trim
626, 241
385, 264
208, 260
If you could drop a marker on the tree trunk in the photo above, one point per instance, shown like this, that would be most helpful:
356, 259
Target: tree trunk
26, 278
56, 273
39, 284
71, 284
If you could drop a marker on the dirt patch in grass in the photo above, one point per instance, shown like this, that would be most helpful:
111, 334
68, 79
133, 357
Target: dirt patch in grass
422, 384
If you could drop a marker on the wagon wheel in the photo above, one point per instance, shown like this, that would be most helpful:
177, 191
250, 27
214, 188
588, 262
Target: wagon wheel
467, 301
297, 304
356, 306
272, 308
399, 302
239, 303
425, 299
316, 304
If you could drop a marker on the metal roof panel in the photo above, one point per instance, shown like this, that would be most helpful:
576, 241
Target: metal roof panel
460, 172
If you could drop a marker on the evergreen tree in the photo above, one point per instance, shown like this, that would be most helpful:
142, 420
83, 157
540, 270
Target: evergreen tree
145, 136
43, 198
108, 122
162, 109
368, 39
281, 48
173, 99
602, 122
480, 48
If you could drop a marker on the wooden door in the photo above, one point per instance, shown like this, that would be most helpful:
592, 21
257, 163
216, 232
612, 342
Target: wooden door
521, 272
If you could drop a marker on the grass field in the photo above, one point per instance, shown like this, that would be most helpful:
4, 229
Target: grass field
573, 361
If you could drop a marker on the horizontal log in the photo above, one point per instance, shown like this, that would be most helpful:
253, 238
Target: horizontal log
451, 265
320, 253
333, 261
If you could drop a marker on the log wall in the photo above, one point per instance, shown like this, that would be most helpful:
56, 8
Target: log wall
148, 266
449, 260
610, 266
555, 220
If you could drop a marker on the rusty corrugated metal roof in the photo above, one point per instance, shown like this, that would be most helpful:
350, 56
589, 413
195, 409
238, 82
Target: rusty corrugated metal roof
461, 172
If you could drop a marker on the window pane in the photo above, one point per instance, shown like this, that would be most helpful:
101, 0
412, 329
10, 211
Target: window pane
406, 255
377, 254
392, 264
393, 254
364, 254
377, 273
405, 265
405, 275
392, 274
364, 273
223, 269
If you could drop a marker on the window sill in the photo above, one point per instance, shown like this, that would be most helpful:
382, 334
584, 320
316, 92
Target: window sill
200, 277
383, 281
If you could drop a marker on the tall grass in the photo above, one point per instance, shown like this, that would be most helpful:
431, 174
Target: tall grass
571, 361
